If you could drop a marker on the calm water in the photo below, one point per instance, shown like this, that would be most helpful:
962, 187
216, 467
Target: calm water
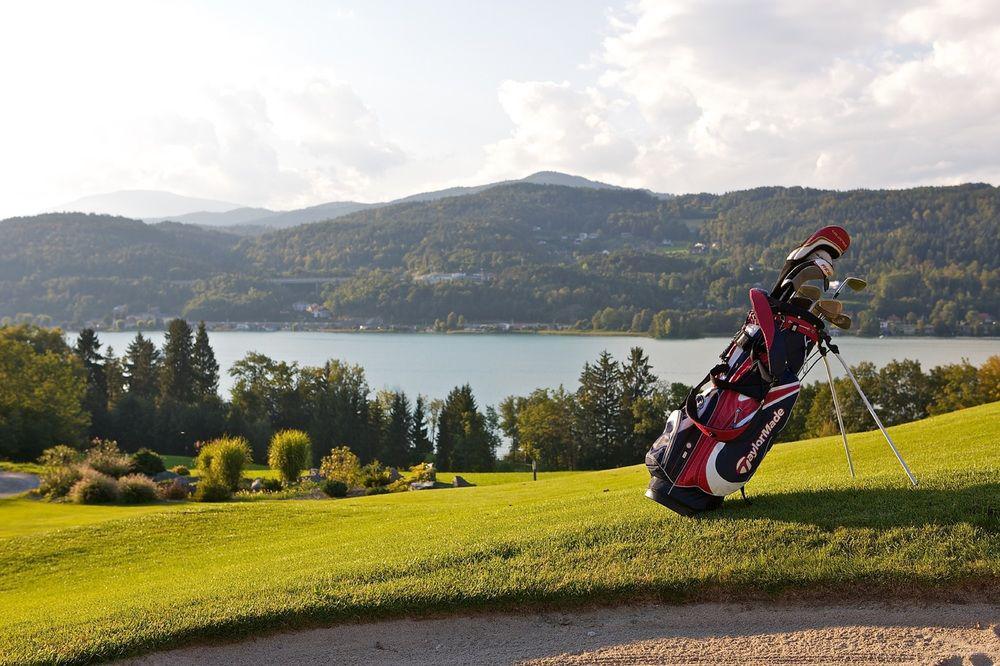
500, 365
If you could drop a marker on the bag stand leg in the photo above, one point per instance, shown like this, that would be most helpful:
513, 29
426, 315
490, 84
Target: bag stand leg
878, 422
836, 408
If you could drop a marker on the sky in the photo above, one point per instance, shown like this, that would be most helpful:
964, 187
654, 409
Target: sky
296, 103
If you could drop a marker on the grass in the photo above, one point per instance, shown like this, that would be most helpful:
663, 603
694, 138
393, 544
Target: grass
26, 468
186, 572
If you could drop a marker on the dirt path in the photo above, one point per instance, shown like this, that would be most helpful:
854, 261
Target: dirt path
653, 634
15, 483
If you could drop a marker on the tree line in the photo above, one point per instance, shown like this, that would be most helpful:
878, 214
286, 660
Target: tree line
167, 399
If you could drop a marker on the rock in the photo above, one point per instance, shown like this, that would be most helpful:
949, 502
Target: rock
314, 476
421, 485
459, 482
257, 485
393, 474
167, 476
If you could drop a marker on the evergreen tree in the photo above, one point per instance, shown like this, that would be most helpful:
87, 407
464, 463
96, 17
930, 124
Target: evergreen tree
95, 401
395, 449
204, 367
142, 367
466, 440
599, 414
422, 447
177, 378
643, 415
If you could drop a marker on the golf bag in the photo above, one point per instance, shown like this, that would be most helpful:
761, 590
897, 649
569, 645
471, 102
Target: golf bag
713, 445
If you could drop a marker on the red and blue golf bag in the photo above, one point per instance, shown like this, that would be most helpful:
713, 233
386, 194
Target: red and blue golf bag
713, 445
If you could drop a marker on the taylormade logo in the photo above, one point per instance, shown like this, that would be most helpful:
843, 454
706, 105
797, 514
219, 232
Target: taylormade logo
744, 463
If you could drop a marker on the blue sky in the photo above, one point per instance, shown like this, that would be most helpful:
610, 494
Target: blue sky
296, 103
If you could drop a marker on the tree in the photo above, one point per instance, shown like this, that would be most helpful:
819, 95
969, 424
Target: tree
510, 408
263, 398
904, 392
422, 447
88, 349
955, 386
177, 378
989, 379
204, 367
599, 422
643, 416
465, 441
41, 396
142, 368
545, 423
396, 428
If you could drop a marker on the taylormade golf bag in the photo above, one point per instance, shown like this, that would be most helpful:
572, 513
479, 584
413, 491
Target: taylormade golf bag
713, 445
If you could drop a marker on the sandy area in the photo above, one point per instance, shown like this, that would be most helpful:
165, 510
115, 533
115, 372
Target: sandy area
863, 633
14, 483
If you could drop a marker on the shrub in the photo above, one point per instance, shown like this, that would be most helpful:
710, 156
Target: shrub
94, 488
58, 481
222, 460
271, 485
342, 465
212, 490
60, 456
376, 490
375, 474
399, 485
175, 490
137, 489
423, 472
335, 488
290, 452
105, 457
147, 462
180, 470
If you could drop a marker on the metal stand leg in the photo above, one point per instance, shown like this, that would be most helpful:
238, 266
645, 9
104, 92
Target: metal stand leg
878, 422
836, 408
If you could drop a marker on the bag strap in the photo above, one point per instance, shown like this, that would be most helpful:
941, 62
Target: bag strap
691, 406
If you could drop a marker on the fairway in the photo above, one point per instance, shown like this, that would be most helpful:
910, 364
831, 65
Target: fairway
79, 583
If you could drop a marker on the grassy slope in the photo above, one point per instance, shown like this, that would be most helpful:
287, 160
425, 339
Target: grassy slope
227, 570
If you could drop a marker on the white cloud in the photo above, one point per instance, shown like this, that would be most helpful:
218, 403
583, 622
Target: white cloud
719, 96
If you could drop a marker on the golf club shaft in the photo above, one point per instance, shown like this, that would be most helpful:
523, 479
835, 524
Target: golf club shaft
840, 418
878, 422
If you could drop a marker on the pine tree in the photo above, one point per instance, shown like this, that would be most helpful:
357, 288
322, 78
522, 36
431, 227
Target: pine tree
142, 366
177, 380
204, 367
466, 439
642, 415
599, 417
395, 445
95, 401
421, 446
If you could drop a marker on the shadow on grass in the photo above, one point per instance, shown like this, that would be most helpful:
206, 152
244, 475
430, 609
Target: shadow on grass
879, 508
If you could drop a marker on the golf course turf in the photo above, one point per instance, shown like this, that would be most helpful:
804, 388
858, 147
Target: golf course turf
79, 583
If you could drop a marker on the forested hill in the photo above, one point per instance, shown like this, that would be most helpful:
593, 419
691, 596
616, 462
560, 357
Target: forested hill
610, 259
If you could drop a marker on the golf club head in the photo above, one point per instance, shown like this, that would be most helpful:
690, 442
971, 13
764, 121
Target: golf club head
838, 319
852, 283
829, 306
810, 292
802, 274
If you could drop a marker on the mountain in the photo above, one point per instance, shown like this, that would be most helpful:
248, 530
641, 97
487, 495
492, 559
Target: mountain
141, 204
604, 258
226, 218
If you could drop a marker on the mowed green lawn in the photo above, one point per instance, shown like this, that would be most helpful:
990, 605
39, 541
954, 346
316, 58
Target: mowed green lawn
79, 583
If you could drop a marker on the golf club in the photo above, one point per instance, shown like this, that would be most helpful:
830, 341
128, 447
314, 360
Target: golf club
829, 305
852, 283
838, 319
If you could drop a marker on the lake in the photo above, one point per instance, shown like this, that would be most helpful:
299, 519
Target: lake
500, 365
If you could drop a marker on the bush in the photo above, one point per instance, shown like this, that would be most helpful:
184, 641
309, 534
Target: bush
290, 452
137, 489
399, 485
212, 490
58, 481
60, 456
222, 460
105, 457
271, 485
147, 462
335, 488
94, 488
175, 490
375, 474
342, 465
180, 470
423, 472
377, 490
